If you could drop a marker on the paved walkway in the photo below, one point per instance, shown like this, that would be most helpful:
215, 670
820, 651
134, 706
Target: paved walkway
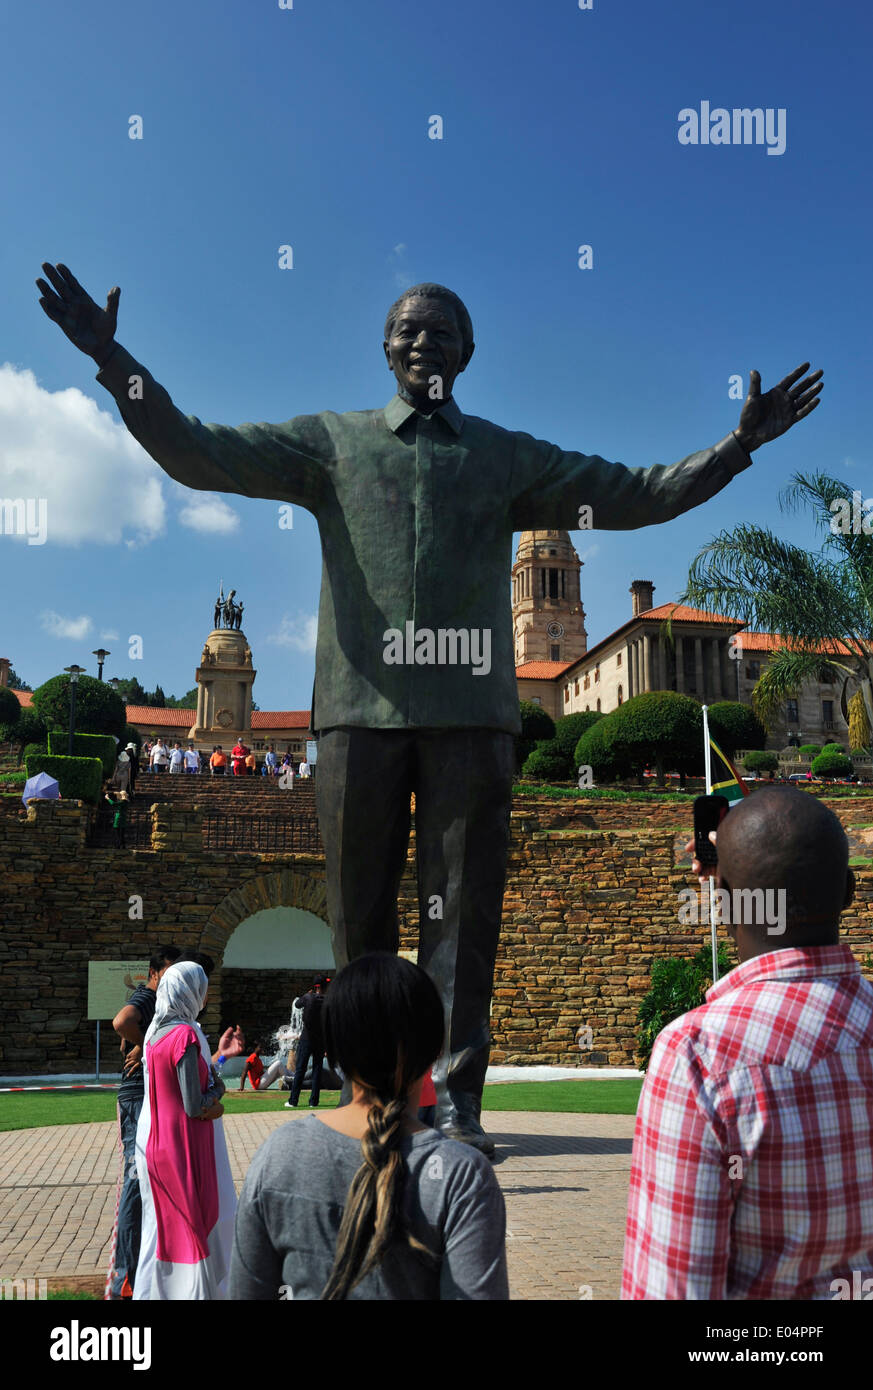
564, 1177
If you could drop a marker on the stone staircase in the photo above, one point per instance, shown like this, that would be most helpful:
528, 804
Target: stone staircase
239, 796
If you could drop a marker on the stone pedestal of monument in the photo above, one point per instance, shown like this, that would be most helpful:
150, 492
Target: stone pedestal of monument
224, 679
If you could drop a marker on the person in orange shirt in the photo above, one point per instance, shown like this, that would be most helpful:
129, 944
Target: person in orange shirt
254, 1068
251, 764
217, 763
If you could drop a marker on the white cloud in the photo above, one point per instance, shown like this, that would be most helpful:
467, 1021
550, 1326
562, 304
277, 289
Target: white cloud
586, 555
100, 485
208, 512
299, 633
109, 637
397, 258
76, 629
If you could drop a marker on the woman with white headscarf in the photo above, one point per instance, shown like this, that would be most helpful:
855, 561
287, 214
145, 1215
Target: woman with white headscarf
188, 1196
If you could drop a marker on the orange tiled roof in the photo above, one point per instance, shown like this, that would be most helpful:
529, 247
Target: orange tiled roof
185, 718
24, 698
680, 614
280, 719
161, 718
541, 670
769, 641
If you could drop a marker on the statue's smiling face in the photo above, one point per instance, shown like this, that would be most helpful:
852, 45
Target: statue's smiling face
426, 342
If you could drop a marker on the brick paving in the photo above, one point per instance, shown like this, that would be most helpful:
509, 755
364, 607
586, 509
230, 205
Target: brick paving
564, 1177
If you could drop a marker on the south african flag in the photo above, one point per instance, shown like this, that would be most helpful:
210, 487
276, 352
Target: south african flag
732, 788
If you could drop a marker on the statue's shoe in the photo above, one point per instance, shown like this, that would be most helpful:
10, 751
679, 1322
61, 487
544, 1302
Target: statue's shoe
477, 1139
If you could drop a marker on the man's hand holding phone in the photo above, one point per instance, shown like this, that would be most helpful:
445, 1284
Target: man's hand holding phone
696, 866
709, 812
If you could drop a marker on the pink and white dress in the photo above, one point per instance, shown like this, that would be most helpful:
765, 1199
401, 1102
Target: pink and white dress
188, 1195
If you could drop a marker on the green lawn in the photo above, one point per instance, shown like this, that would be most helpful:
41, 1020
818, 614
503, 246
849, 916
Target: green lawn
33, 1109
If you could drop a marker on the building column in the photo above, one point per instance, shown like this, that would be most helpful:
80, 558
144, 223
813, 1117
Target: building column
716, 669
647, 662
629, 658
698, 668
663, 664
680, 666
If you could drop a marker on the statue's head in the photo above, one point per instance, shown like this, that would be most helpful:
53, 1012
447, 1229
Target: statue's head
428, 343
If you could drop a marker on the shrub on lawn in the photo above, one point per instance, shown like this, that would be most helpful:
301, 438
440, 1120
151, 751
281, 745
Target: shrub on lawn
761, 761
831, 765
547, 763
678, 984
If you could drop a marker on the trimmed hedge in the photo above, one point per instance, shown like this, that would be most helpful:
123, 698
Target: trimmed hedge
78, 779
811, 750
831, 765
547, 763
759, 760
102, 746
536, 727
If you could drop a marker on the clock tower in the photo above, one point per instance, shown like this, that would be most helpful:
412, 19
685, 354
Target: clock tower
548, 617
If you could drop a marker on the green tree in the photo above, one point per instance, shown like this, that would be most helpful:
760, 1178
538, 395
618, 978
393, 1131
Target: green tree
831, 765
131, 687
98, 709
859, 725
819, 602
188, 701
10, 713
595, 751
660, 728
28, 729
760, 761
568, 731
810, 750
157, 699
16, 683
734, 726
536, 725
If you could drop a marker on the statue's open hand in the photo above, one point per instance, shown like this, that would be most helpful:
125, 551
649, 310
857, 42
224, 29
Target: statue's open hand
91, 328
766, 417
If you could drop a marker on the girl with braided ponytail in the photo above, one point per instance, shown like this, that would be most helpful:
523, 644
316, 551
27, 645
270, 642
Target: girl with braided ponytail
365, 1202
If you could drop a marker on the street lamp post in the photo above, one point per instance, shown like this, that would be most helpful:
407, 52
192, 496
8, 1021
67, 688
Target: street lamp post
74, 672
101, 655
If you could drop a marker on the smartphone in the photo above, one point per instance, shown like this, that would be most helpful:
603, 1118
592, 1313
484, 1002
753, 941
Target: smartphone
709, 812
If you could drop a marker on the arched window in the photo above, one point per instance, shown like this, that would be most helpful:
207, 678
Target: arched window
620, 696
598, 706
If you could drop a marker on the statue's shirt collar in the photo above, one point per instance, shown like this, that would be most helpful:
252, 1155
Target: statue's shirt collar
397, 411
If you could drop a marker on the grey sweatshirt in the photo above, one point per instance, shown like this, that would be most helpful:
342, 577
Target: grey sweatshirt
291, 1206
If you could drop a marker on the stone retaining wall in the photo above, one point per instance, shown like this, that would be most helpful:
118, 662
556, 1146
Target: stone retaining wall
586, 912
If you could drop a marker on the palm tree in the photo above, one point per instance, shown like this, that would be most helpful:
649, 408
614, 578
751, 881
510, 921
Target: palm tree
819, 602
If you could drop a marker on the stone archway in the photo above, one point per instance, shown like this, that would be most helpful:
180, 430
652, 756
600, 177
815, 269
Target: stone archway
281, 888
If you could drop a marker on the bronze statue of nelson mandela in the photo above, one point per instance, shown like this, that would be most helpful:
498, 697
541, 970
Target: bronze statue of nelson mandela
416, 506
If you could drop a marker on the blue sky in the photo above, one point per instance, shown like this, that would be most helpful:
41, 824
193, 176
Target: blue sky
308, 127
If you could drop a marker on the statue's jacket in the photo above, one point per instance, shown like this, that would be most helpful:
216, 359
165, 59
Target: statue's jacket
416, 515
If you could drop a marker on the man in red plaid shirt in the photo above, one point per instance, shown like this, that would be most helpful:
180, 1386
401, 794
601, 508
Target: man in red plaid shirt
752, 1169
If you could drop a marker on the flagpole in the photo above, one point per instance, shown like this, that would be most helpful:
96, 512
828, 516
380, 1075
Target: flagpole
707, 752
